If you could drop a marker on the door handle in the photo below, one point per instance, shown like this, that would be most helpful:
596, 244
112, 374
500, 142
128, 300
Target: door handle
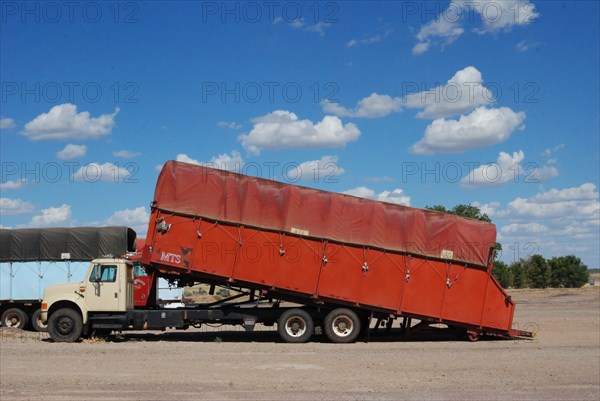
116, 295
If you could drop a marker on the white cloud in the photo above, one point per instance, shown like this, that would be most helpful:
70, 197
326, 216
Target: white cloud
319, 27
9, 207
361, 192
125, 154
282, 129
229, 124
374, 105
487, 208
52, 216
550, 151
506, 169
482, 127
522, 228
503, 15
231, 162
553, 222
64, 122
7, 123
438, 30
136, 218
572, 203
325, 168
395, 196
369, 39
584, 192
543, 174
384, 178
71, 152
421, 48
299, 23
461, 93
12, 184
496, 16
107, 172
525, 45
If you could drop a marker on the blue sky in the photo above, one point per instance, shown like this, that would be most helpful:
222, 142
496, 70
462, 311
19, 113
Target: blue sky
491, 103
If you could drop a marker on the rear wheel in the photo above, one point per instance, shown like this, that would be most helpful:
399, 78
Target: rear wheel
65, 325
342, 325
14, 318
295, 326
36, 321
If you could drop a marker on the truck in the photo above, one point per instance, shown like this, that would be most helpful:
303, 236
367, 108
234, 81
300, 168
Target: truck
31, 258
303, 259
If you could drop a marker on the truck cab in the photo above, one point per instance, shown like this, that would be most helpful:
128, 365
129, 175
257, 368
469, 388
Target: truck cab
108, 288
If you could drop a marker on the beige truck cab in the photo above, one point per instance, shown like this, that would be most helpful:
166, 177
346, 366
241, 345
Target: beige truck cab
107, 288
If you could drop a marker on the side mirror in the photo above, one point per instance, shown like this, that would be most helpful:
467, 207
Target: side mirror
97, 273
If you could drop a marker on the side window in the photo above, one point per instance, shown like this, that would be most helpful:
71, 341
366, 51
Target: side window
106, 273
138, 271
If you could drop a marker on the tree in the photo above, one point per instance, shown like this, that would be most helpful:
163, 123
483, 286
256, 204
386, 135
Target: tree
503, 274
520, 279
568, 271
472, 212
538, 271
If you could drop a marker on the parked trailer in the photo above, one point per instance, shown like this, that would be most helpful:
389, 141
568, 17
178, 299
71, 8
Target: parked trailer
343, 259
33, 258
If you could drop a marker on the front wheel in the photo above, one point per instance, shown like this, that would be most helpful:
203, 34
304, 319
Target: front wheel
65, 325
295, 326
342, 325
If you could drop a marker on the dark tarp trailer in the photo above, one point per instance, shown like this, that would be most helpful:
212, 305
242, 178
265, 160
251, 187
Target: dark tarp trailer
74, 243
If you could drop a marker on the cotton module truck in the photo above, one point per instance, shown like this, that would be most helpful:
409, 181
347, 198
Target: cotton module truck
296, 257
31, 258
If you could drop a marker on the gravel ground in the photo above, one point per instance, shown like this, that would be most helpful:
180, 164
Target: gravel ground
562, 363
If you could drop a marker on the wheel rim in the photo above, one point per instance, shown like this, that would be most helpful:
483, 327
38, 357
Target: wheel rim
342, 326
41, 324
12, 321
64, 325
295, 326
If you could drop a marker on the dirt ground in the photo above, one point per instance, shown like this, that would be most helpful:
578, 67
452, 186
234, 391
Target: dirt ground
562, 363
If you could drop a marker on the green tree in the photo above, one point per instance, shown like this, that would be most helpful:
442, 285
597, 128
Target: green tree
520, 279
503, 274
538, 271
568, 271
472, 212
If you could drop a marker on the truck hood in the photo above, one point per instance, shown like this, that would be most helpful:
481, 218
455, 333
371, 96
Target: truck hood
61, 290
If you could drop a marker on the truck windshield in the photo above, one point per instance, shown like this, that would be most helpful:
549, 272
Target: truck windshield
106, 273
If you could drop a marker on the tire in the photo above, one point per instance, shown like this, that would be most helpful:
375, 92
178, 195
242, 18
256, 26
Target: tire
342, 325
15, 318
65, 325
295, 326
36, 321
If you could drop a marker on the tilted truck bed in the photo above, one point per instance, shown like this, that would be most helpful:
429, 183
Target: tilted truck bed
324, 247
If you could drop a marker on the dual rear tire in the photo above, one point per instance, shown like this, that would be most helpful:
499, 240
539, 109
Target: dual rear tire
341, 325
15, 318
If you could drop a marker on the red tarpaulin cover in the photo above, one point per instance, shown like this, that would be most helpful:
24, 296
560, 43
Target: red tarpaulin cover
243, 200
